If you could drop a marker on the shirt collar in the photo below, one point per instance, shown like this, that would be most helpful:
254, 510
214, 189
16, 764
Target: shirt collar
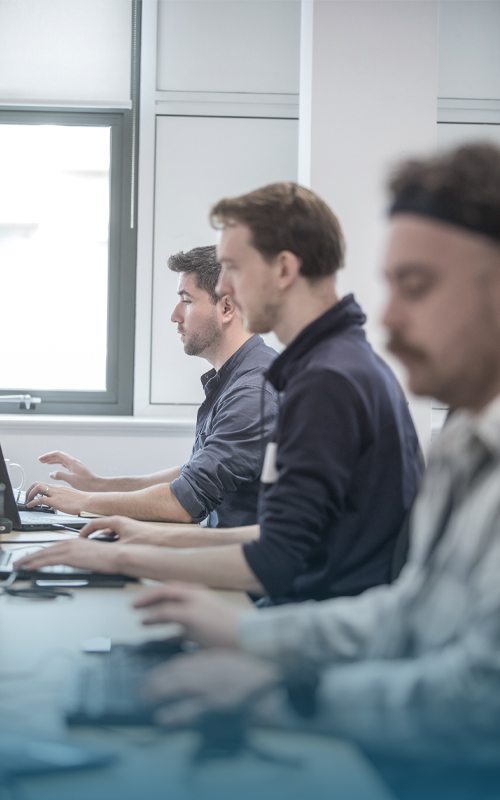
214, 378
487, 425
345, 313
463, 426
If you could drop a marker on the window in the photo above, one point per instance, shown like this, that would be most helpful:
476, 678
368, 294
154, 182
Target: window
67, 260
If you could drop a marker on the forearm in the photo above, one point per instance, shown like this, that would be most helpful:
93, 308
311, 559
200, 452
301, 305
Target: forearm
217, 567
338, 630
133, 484
153, 503
194, 536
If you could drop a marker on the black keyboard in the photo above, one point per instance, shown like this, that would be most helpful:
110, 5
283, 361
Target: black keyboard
105, 687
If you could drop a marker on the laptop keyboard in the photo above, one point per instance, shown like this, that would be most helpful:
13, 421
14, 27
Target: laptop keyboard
35, 517
105, 688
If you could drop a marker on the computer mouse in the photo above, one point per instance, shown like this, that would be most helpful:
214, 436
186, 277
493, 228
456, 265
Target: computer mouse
103, 537
164, 647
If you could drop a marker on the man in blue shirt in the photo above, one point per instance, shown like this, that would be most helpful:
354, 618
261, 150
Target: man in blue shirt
343, 470
220, 482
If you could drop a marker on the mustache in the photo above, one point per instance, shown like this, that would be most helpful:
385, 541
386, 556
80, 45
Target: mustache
399, 347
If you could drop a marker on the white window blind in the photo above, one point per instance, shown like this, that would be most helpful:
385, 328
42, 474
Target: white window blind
65, 51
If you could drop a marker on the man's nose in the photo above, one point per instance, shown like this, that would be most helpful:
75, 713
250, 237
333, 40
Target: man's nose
176, 314
391, 317
224, 285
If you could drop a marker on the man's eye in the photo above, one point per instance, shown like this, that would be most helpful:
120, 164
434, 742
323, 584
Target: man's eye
414, 287
187, 302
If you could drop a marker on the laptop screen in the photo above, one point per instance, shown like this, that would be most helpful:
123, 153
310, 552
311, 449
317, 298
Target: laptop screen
10, 508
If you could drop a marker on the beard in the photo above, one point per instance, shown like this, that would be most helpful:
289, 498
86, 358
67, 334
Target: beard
196, 344
423, 377
398, 347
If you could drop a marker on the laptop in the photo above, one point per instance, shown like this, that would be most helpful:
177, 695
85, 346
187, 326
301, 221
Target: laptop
32, 520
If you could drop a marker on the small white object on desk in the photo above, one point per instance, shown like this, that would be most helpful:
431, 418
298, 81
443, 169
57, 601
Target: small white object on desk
99, 644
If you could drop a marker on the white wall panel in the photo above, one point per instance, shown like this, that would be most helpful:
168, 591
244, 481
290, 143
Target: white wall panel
228, 46
373, 102
454, 134
119, 446
68, 51
198, 161
469, 49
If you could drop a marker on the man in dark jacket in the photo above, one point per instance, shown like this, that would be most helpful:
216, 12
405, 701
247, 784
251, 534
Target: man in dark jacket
343, 471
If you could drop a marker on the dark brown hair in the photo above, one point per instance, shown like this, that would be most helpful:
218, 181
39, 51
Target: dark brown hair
203, 262
460, 186
285, 216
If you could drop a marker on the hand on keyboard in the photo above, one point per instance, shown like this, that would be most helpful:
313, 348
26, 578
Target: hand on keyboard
20, 498
106, 689
70, 501
75, 553
210, 680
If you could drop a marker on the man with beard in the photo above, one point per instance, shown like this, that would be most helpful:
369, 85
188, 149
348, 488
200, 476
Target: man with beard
220, 481
342, 472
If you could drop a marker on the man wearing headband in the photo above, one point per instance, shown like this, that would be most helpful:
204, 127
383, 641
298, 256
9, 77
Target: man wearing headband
410, 669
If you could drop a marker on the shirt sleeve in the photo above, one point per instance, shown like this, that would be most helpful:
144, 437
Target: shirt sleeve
375, 689
323, 428
442, 699
343, 629
445, 695
435, 706
232, 452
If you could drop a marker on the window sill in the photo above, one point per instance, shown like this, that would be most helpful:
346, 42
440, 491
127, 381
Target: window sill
110, 426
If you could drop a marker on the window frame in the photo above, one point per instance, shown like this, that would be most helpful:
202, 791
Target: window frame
117, 399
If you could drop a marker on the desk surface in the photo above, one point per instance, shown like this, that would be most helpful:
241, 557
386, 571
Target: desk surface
39, 640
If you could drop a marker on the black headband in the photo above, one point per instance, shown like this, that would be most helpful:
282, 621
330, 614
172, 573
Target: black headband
445, 206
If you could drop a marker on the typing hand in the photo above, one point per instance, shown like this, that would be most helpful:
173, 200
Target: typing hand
96, 556
59, 497
206, 619
206, 681
78, 475
126, 530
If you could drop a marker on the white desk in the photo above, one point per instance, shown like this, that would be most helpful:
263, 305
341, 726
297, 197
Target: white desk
38, 642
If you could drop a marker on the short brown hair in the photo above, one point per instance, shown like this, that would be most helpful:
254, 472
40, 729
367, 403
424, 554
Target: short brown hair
460, 186
203, 262
285, 216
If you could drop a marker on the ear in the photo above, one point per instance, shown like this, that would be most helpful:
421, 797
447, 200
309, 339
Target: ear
288, 268
492, 293
227, 309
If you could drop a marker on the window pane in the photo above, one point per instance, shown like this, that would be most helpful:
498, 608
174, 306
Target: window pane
54, 222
